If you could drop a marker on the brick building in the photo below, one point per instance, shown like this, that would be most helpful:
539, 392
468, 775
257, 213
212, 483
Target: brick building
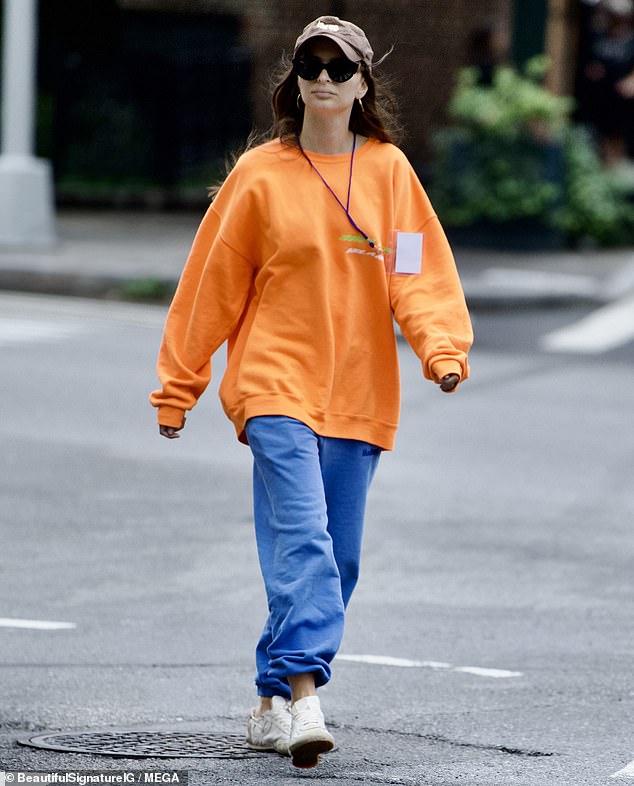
155, 92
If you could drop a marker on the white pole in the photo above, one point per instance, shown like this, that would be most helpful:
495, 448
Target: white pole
18, 77
26, 186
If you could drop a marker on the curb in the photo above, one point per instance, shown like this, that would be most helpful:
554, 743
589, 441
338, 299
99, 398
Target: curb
98, 286
479, 295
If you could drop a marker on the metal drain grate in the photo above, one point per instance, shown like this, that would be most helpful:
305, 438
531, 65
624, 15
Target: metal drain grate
148, 744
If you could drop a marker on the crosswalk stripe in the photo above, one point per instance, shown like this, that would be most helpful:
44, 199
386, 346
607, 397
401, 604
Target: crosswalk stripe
49, 307
606, 328
18, 331
626, 772
11, 622
404, 663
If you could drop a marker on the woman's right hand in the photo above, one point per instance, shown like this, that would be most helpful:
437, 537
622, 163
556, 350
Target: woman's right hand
170, 431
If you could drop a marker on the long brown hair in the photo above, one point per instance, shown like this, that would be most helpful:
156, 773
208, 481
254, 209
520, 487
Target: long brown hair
377, 119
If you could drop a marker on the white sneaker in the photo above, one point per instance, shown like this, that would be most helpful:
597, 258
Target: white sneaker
309, 736
271, 730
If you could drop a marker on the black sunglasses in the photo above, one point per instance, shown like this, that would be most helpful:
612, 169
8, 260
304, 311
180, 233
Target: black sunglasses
340, 69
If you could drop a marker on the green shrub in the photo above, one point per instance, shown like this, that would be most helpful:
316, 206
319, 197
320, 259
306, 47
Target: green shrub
514, 154
596, 205
147, 289
513, 106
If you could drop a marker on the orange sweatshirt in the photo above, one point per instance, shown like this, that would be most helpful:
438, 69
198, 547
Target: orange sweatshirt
305, 303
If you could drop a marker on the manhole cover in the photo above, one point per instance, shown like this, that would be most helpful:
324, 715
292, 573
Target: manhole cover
148, 744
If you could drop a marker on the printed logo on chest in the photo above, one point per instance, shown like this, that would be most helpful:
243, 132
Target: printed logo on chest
378, 251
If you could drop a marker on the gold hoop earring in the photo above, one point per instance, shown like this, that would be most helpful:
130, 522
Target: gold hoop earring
298, 102
361, 104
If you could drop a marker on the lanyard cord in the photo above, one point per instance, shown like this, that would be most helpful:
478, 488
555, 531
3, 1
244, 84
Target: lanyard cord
346, 207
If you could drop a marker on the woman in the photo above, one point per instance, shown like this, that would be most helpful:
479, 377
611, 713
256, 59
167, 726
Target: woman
294, 264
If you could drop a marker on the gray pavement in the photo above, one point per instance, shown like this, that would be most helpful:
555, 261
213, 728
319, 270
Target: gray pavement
97, 252
498, 538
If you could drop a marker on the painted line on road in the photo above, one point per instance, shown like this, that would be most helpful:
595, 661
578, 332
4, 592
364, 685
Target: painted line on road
387, 660
9, 622
403, 663
50, 307
17, 331
626, 772
539, 281
479, 671
606, 328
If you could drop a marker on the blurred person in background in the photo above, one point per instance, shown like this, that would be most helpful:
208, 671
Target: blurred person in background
294, 263
607, 85
488, 47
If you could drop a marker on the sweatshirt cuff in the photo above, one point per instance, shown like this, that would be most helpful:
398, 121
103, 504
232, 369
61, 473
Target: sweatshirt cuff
170, 416
443, 367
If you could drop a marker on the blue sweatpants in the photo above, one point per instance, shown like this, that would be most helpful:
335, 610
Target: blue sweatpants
309, 495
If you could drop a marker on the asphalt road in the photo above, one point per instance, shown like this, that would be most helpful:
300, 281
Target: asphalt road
496, 589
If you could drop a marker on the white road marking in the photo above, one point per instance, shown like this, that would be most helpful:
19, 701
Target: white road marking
626, 772
539, 281
19, 331
77, 308
387, 660
496, 673
9, 622
606, 328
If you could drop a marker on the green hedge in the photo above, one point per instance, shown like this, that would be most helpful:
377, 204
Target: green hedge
513, 153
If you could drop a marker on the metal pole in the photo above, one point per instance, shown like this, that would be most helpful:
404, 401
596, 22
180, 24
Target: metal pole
26, 182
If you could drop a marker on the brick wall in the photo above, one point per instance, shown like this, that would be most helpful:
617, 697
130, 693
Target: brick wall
429, 36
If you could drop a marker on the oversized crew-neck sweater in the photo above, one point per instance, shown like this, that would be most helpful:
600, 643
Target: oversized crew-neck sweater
306, 304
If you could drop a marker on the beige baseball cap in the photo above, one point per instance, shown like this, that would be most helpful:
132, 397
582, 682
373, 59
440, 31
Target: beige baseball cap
350, 38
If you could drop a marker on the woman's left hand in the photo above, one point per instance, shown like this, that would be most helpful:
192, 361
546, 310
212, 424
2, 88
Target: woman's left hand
449, 382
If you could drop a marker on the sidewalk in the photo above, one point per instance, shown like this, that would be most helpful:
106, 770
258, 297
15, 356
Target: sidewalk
97, 252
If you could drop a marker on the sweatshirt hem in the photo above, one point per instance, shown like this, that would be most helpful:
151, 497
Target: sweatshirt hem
326, 424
